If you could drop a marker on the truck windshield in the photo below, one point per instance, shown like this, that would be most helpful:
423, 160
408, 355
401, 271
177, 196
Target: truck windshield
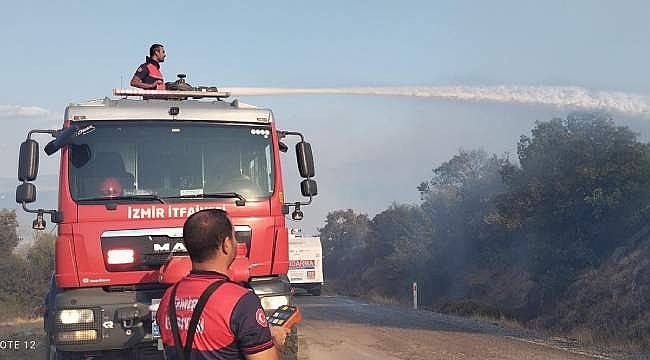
126, 161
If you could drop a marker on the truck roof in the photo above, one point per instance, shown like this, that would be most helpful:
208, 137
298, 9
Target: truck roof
189, 110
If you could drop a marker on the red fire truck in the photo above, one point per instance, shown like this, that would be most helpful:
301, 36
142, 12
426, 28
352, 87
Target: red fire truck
131, 171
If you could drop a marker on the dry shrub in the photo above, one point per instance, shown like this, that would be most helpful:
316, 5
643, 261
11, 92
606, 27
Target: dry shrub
611, 305
472, 308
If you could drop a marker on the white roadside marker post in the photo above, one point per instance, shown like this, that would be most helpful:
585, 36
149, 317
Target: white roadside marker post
415, 295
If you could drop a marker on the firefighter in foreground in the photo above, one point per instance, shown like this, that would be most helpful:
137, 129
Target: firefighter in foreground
148, 75
233, 324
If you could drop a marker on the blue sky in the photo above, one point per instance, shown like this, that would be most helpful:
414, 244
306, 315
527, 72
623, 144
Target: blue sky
56, 52
85, 46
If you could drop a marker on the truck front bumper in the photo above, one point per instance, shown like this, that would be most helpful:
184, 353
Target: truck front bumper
121, 320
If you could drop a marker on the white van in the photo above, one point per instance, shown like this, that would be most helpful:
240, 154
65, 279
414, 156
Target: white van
305, 263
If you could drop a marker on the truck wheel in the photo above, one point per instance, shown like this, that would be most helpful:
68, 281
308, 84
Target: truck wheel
315, 291
290, 348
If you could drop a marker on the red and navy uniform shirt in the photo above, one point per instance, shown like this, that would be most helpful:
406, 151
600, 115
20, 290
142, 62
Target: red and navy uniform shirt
149, 72
232, 323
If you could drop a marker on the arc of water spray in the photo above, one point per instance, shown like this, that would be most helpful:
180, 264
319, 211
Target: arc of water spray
572, 97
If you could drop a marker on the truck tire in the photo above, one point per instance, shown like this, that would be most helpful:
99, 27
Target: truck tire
315, 291
290, 348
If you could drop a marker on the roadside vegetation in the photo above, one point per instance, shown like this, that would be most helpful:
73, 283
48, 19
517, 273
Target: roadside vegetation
555, 238
25, 269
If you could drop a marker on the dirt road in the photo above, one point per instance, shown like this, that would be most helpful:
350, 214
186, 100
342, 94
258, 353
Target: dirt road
343, 328
22, 339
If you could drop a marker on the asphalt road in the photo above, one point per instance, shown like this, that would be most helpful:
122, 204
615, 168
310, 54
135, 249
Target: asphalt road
341, 328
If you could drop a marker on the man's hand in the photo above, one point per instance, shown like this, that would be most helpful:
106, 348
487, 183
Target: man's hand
155, 85
279, 335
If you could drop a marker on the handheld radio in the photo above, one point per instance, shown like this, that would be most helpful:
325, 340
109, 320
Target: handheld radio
285, 316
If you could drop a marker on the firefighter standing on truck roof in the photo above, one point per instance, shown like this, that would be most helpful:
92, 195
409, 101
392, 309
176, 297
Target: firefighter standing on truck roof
148, 75
232, 325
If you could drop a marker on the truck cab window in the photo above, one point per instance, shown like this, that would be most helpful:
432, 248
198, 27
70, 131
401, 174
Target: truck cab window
171, 160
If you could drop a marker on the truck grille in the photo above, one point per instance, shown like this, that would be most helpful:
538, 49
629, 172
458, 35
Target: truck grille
152, 247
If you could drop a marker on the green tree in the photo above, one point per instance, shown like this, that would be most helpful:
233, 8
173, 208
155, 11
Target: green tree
12, 283
580, 189
26, 272
39, 265
399, 244
458, 201
8, 235
343, 238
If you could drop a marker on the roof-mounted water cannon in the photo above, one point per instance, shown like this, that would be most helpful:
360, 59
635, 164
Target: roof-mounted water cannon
171, 94
179, 84
176, 90
305, 160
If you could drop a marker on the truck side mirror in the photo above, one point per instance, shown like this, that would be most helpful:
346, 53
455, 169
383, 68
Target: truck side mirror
305, 159
28, 169
26, 193
28, 160
308, 187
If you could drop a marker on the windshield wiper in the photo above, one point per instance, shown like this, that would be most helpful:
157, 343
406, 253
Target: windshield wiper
149, 197
241, 201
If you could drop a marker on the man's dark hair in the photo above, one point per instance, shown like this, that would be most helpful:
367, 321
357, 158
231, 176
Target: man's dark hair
153, 49
204, 232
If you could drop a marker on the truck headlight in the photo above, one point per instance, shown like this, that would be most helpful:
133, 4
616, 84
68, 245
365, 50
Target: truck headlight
77, 336
76, 316
271, 303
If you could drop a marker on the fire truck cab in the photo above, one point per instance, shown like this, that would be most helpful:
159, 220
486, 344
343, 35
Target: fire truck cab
131, 172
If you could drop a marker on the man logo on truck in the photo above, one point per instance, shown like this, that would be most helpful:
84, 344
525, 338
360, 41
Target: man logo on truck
178, 247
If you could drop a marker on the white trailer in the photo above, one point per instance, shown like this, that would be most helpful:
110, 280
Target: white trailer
306, 263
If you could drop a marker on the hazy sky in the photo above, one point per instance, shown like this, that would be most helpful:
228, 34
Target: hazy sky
370, 150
